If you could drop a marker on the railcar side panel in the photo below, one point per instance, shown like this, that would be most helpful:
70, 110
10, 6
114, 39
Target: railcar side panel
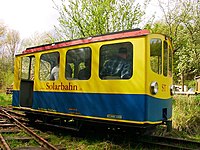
127, 100
114, 106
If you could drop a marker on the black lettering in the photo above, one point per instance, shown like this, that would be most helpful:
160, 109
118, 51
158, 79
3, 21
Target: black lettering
48, 86
75, 87
61, 86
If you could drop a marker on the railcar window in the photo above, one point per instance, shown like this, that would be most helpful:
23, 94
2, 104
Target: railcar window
116, 61
78, 64
28, 65
170, 61
165, 71
49, 66
156, 55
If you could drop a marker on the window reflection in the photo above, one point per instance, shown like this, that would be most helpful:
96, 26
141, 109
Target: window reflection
156, 55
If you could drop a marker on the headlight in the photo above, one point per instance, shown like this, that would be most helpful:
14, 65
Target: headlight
172, 90
154, 88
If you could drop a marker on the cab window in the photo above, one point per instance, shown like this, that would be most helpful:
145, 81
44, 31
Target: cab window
170, 61
165, 61
28, 65
156, 55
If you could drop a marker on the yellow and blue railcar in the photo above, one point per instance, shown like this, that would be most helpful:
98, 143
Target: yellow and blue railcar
141, 98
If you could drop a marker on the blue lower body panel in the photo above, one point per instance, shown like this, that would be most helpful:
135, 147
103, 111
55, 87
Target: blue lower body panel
130, 107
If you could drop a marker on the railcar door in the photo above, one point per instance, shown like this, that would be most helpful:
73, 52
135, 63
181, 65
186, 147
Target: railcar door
27, 81
159, 78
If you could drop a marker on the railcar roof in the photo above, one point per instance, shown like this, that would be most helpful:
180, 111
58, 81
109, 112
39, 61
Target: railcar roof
99, 38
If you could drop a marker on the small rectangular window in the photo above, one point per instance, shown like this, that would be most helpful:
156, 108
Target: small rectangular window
170, 61
49, 66
116, 61
156, 55
165, 61
28, 65
78, 64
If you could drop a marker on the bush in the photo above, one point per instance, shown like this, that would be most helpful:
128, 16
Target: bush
5, 100
190, 83
6, 79
186, 112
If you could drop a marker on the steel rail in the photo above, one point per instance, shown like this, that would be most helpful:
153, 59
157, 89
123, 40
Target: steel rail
178, 140
39, 139
165, 145
16, 113
5, 146
170, 142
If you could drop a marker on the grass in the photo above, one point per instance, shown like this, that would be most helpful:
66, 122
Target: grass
5, 100
186, 118
186, 114
17, 144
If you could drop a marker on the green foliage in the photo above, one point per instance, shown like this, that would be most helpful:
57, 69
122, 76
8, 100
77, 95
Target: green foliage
83, 18
186, 112
6, 78
9, 42
185, 118
5, 100
2, 34
37, 39
190, 84
182, 23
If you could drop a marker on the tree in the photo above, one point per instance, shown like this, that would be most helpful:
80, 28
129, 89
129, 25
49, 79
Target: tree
83, 18
3, 31
2, 36
182, 23
37, 39
11, 44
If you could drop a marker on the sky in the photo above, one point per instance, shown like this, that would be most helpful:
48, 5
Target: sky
28, 16
35, 16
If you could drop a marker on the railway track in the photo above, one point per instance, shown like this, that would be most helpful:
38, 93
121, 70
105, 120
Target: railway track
169, 143
11, 125
13, 131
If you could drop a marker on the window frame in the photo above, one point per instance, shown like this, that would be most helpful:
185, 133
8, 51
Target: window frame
30, 68
103, 60
55, 62
165, 58
76, 67
158, 60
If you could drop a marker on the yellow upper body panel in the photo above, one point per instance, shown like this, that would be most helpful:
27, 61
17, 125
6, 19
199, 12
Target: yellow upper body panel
139, 83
